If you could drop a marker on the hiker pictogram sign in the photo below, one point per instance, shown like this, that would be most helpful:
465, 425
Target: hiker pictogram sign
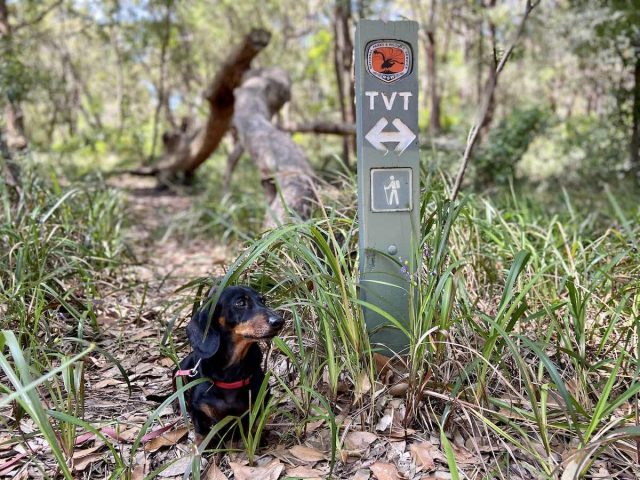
391, 190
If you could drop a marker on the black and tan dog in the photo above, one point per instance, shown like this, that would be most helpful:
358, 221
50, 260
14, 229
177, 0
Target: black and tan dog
226, 352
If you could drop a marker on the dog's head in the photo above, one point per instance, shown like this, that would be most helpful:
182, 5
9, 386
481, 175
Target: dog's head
240, 313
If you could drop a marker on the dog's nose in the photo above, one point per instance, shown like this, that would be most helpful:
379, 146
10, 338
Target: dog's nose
276, 321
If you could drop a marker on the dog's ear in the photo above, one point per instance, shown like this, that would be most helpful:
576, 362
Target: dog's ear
204, 341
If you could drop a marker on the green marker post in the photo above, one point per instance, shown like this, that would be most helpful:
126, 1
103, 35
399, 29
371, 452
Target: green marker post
388, 171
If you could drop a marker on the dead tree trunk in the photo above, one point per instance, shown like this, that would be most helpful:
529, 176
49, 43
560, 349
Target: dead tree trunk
634, 144
492, 79
14, 119
343, 62
285, 171
186, 150
434, 117
320, 127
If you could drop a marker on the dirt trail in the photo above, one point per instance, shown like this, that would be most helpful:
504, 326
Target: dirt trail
140, 302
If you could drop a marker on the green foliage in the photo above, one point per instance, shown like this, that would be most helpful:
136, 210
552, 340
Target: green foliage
15, 77
496, 163
575, 151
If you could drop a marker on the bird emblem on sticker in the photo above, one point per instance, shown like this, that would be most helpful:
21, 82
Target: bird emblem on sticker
388, 60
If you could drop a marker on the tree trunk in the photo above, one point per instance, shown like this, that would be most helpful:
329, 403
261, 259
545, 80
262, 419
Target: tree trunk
428, 40
343, 62
162, 95
14, 118
285, 171
480, 62
434, 118
186, 149
634, 144
80, 85
492, 78
8, 168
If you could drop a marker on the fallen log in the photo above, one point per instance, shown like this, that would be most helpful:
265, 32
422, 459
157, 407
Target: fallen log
286, 174
187, 148
320, 127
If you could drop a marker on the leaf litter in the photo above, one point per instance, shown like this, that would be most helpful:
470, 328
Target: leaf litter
136, 310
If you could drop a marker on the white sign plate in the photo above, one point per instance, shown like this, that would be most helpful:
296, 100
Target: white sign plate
391, 190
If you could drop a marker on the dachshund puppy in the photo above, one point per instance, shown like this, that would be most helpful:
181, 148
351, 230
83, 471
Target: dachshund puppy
226, 352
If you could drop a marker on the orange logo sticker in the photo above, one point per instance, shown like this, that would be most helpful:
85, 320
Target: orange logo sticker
388, 60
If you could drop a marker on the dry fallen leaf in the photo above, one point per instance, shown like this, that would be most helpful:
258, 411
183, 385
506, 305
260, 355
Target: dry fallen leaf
107, 382
178, 467
382, 363
572, 470
423, 455
8, 465
6, 442
399, 389
385, 421
129, 434
362, 474
464, 457
363, 384
166, 440
270, 471
359, 440
85, 437
307, 454
313, 426
87, 460
400, 432
304, 472
78, 454
141, 467
167, 362
384, 471
214, 473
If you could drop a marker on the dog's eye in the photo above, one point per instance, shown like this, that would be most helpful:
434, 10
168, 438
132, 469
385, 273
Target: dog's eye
241, 303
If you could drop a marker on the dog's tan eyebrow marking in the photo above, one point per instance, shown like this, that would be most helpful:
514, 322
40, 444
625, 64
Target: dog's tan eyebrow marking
222, 321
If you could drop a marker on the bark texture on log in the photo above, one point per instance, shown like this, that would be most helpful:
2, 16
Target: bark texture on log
187, 149
282, 164
320, 127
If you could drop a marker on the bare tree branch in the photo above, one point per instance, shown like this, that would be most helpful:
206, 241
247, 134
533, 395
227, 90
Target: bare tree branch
38, 18
489, 91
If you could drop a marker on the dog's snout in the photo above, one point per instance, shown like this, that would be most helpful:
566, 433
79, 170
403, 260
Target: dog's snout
275, 321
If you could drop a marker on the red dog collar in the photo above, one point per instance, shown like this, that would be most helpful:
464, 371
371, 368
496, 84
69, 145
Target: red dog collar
224, 385
231, 385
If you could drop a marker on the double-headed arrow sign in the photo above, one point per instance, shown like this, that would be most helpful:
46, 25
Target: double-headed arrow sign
403, 136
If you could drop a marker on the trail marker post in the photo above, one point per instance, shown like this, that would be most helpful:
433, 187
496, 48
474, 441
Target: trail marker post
388, 171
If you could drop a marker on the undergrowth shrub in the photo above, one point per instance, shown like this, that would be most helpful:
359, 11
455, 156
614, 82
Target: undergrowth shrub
56, 239
496, 162
520, 317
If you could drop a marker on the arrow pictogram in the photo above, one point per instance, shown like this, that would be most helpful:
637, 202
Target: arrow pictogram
403, 136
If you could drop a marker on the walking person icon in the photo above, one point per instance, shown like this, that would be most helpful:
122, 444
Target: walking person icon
391, 191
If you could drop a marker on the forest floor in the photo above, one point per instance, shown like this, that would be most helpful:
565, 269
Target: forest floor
142, 315
135, 318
